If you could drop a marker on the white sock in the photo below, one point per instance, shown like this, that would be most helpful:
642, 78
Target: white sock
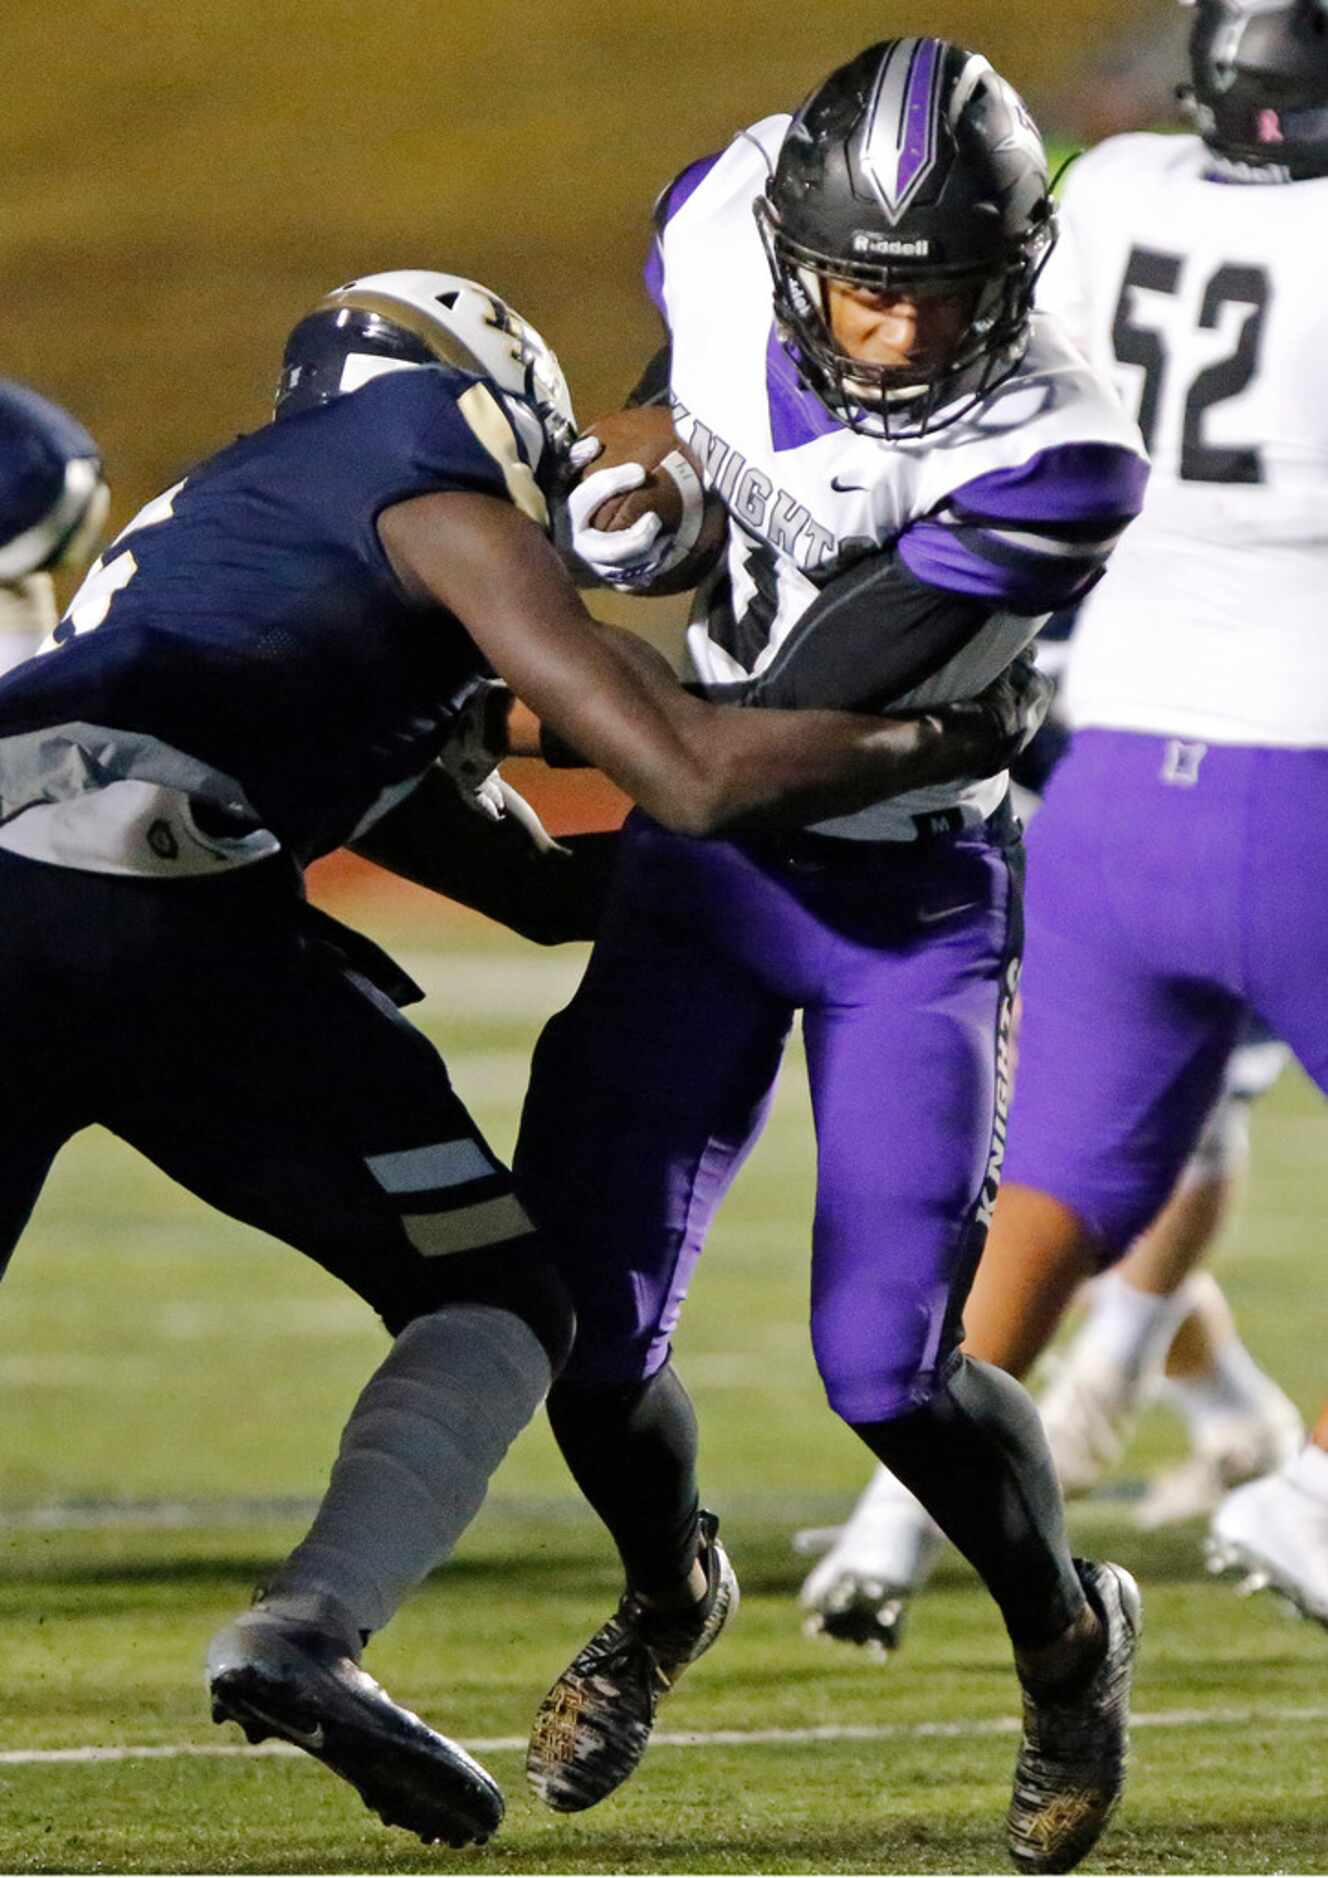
1130, 1330
1234, 1386
1309, 1470
428, 1431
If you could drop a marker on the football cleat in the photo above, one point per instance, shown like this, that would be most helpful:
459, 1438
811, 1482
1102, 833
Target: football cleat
1276, 1534
868, 1612
859, 1591
1070, 1772
300, 1682
1228, 1451
593, 1726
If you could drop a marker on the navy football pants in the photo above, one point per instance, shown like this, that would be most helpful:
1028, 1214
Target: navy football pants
213, 1026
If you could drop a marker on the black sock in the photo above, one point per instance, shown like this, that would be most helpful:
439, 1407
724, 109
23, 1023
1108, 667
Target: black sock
632, 1452
976, 1457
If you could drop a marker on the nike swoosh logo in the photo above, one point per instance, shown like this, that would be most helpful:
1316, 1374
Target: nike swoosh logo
311, 1738
847, 488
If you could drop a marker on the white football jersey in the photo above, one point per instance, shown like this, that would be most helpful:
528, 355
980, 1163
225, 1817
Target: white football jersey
1017, 503
1203, 302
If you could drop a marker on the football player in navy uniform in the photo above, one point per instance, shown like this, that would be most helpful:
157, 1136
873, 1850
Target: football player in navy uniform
917, 471
291, 649
53, 503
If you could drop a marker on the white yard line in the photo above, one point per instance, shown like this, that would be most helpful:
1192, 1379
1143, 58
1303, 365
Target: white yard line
712, 1738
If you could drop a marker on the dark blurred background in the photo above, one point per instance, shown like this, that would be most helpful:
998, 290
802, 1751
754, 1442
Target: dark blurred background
182, 180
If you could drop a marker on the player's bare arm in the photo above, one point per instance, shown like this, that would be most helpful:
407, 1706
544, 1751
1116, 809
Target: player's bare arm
698, 768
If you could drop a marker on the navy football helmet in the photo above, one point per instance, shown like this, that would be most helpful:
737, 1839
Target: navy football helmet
389, 322
53, 501
1259, 96
914, 168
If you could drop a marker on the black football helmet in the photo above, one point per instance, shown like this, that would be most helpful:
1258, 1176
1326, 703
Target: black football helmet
411, 316
1259, 97
913, 168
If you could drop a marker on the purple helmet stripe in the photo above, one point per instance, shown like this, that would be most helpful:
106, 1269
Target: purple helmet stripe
900, 150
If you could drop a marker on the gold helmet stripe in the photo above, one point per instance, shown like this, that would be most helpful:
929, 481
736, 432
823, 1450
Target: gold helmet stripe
493, 428
431, 333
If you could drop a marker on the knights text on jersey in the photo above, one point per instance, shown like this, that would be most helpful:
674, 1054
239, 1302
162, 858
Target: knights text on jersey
245, 642
1202, 300
1018, 503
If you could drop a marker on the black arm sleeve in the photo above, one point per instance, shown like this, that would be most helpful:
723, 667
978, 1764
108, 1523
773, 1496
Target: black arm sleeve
869, 638
433, 839
652, 387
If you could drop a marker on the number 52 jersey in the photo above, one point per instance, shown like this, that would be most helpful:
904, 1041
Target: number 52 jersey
1202, 300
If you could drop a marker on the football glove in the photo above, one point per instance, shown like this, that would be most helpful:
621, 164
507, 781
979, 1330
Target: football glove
1005, 717
635, 557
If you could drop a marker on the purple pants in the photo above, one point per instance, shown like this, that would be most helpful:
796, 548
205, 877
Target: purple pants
1170, 886
649, 1089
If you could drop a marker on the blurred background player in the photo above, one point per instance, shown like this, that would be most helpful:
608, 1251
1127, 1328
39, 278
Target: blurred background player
291, 649
53, 505
915, 476
1156, 1328
1161, 908
1274, 1531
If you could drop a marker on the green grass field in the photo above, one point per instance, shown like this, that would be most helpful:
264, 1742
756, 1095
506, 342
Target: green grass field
175, 1385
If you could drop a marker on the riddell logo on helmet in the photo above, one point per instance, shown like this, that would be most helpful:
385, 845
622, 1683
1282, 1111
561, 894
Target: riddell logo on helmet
888, 244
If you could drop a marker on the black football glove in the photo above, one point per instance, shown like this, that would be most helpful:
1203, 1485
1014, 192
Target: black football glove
1004, 719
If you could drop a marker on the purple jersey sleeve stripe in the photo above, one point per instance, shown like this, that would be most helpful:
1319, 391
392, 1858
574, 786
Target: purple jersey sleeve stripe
653, 275
978, 563
797, 415
667, 204
1070, 482
682, 188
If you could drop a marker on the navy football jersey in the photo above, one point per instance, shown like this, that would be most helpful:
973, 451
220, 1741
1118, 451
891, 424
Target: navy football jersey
245, 639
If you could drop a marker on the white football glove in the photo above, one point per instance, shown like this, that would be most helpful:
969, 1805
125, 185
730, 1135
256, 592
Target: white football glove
633, 557
471, 757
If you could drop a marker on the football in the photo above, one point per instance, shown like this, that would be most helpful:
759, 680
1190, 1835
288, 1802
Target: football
644, 436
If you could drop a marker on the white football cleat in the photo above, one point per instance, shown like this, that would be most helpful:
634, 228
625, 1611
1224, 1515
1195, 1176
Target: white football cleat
1228, 1451
859, 1591
1275, 1531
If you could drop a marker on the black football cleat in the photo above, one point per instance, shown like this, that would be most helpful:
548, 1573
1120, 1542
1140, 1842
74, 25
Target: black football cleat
1070, 1773
297, 1682
862, 1611
593, 1726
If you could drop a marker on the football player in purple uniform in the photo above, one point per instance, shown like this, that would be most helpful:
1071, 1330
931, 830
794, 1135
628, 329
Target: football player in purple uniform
917, 471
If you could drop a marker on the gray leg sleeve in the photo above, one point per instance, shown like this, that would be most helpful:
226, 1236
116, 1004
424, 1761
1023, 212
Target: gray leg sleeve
427, 1433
